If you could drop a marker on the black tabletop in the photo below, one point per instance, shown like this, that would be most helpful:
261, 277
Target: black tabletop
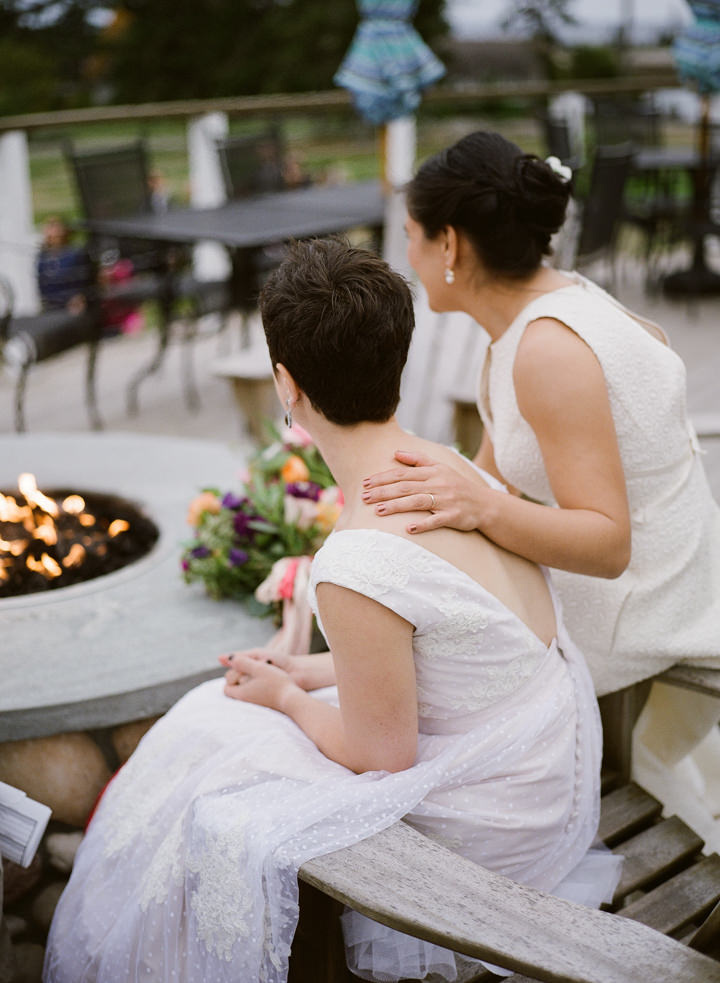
258, 220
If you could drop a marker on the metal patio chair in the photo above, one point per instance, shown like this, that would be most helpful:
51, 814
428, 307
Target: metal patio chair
27, 339
602, 209
114, 182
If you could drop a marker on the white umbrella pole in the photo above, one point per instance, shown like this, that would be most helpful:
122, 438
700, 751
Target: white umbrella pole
398, 162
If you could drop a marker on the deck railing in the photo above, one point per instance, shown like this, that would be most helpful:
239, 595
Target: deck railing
207, 120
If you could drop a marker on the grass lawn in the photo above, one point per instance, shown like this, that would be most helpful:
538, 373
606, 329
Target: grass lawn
327, 145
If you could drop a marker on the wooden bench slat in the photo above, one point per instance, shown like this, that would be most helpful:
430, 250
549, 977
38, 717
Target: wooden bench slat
693, 677
656, 853
684, 898
626, 811
426, 891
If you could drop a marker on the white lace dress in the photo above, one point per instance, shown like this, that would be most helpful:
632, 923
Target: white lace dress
665, 608
188, 872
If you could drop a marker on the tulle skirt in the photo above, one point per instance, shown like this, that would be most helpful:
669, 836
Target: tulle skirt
188, 872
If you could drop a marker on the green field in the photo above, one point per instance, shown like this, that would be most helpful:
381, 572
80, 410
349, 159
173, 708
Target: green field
329, 145
325, 146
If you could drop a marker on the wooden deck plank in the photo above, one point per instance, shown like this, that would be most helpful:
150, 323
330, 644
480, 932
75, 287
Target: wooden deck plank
626, 811
678, 902
655, 854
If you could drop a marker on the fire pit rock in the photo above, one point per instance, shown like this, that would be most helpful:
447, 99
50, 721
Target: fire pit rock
127, 645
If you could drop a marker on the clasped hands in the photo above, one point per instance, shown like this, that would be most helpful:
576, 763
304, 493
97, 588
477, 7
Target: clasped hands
420, 484
265, 677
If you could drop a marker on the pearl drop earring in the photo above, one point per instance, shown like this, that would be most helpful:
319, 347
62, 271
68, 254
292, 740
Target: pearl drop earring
449, 276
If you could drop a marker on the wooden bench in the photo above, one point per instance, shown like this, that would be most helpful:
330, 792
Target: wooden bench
406, 881
663, 924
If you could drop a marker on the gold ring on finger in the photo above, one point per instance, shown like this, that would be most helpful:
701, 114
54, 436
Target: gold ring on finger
432, 501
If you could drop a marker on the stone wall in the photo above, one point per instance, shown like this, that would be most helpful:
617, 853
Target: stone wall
66, 772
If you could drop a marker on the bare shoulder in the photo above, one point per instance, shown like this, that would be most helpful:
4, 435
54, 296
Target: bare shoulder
553, 360
547, 341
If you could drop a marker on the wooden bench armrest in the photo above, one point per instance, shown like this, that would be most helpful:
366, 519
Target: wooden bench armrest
693, 677
403, 879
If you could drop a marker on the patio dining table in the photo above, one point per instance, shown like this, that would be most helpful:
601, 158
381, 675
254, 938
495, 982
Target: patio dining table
698, 279
258, 220
247, 225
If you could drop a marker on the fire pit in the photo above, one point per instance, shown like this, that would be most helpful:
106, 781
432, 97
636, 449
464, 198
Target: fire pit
127, 644
55, 539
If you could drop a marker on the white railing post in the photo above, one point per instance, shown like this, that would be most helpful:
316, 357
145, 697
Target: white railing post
400, 142
17, 234
571, 107
210, 260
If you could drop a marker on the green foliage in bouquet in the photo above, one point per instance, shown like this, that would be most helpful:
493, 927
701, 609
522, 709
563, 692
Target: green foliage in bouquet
287, 504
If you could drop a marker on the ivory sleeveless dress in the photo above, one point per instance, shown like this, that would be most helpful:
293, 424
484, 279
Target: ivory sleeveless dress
665, 608
188, 872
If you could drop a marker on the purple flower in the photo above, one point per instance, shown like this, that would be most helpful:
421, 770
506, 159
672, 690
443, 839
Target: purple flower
199, 552
232, 501
304, 489
236, 558
241, 525
184, 564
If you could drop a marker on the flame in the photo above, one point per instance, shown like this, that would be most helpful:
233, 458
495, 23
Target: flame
75, 556
28, 487
34, 517
10, 511
73, 504
45, 565
117, 526
46, 531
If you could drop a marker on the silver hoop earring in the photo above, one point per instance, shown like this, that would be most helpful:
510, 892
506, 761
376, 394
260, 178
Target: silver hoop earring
449, 276
288, 414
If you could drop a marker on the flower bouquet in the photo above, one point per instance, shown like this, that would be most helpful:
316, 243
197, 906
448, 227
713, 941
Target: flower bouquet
244, 541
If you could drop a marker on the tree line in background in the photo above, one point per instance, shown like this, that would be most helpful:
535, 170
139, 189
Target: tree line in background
57, 54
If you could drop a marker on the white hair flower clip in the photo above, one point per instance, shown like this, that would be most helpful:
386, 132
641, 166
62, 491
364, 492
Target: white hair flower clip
563, 172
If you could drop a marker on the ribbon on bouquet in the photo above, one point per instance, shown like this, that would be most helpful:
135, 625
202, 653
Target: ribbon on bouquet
288, 582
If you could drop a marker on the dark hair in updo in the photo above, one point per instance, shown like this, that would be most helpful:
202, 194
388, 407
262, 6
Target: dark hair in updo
508, 203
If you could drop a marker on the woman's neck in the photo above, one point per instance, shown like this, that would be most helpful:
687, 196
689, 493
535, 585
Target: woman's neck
352, 453
495, 304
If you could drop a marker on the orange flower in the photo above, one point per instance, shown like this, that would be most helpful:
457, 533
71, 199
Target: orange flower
294, 469
205, 502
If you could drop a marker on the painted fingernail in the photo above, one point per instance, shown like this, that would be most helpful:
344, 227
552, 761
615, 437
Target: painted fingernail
381, 510
269, 661
412, 528
366, 496
230, 657
366, 482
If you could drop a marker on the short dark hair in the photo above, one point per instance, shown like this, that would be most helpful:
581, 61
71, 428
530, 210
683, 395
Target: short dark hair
340, 320
508, 203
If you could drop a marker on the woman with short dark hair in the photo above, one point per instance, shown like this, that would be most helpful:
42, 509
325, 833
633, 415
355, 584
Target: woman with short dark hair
451, 696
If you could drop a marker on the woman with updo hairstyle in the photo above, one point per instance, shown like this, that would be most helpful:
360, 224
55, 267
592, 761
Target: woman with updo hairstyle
584, 412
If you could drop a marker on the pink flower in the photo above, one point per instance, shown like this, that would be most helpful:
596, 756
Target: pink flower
300, 512
332, 496
279, 583
296, 436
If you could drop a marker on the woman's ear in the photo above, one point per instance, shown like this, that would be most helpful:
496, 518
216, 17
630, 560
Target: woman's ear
450, 246
286, 385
